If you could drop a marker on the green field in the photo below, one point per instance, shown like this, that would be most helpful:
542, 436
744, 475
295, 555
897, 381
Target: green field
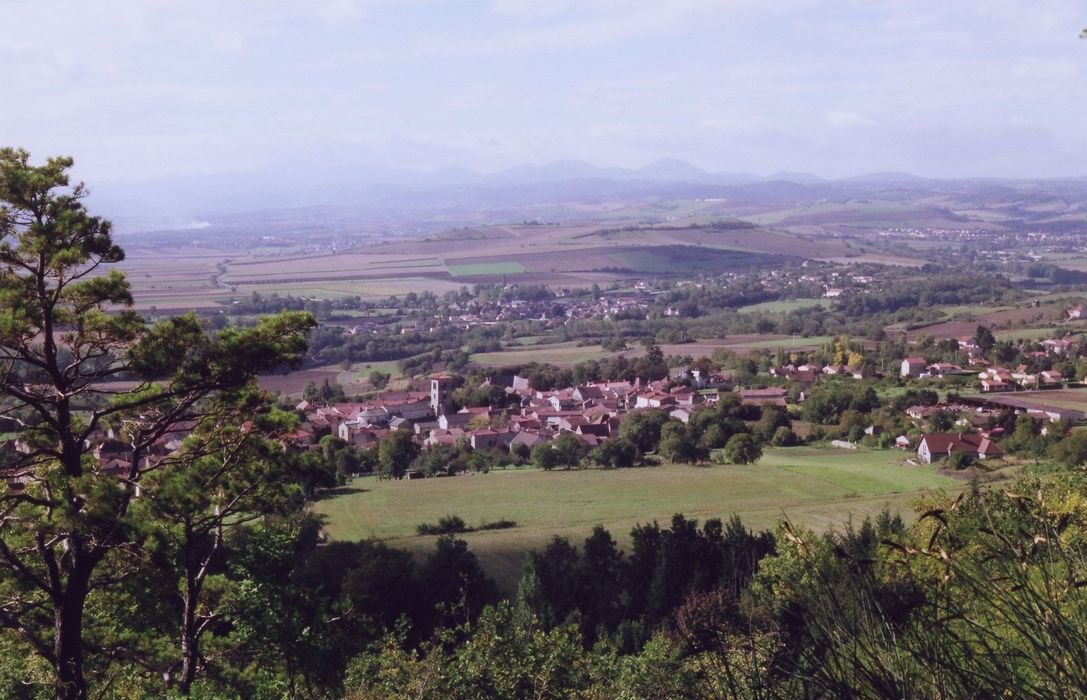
562, 354
508, 267
797, 342
687, 259
818, 487
970, 309
361, 371
1031, 333
786, 305
528, 340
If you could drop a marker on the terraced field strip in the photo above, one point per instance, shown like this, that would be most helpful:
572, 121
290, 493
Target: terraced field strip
971, 309
1041, 333
1074, 399
369, 288
506, 267
794, 342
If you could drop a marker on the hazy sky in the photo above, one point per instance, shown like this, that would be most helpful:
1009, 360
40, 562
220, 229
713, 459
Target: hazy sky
147, 88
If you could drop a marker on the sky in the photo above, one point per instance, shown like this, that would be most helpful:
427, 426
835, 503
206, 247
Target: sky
146, 89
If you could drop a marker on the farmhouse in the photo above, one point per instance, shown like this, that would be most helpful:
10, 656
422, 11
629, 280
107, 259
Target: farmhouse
842, 371
528, 438
758, 397
937, 446
487, 439
923, 412
1050, 377
683, 415
945, 369
654, 399
1057, 346
685, 396
996, 385
1054, 413
803, 374
913, 366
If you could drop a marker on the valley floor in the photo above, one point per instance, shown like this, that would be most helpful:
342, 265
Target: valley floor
816, 487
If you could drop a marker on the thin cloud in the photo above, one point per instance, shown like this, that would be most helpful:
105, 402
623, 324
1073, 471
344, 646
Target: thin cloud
158, 87
845, 119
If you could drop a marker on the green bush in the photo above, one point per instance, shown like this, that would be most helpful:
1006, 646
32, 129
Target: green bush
446, 525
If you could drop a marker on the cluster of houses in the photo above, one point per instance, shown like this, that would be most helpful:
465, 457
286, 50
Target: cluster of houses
993, 378
1000, 379
972, 418
593, 411
471, 313
807, 374
481, 312
113, 453
916, 366
971, 433
590, 411
973, 437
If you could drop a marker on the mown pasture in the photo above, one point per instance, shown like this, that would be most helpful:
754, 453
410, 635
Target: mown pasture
560, 354
821, 488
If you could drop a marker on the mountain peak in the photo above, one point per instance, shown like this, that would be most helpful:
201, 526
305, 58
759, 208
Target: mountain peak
671, 169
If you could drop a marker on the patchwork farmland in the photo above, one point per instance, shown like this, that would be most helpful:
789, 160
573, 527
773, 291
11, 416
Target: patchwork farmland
181, 277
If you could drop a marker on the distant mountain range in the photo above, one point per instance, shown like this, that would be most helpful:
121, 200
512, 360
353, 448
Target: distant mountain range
389, 194
283, 185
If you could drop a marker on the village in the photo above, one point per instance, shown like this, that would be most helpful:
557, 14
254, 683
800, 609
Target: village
506, 414
551, 308
594, 411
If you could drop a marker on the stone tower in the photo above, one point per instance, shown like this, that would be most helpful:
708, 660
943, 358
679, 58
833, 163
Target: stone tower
441, 393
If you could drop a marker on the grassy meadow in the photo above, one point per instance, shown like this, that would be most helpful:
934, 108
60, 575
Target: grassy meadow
784, 305
561, 354
820, 487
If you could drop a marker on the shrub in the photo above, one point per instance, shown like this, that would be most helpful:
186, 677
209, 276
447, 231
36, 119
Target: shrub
783, 437
961, 460
498, 525
446, 525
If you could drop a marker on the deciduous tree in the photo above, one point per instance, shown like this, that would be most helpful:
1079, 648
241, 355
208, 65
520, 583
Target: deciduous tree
743, 449
395, 453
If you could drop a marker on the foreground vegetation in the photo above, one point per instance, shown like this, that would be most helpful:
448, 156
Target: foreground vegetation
981, 597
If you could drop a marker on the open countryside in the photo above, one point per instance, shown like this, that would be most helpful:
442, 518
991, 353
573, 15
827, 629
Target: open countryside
506, 350
814, 487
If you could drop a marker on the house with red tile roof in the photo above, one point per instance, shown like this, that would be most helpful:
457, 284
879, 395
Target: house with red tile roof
936, 446
757, 397
654, 399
